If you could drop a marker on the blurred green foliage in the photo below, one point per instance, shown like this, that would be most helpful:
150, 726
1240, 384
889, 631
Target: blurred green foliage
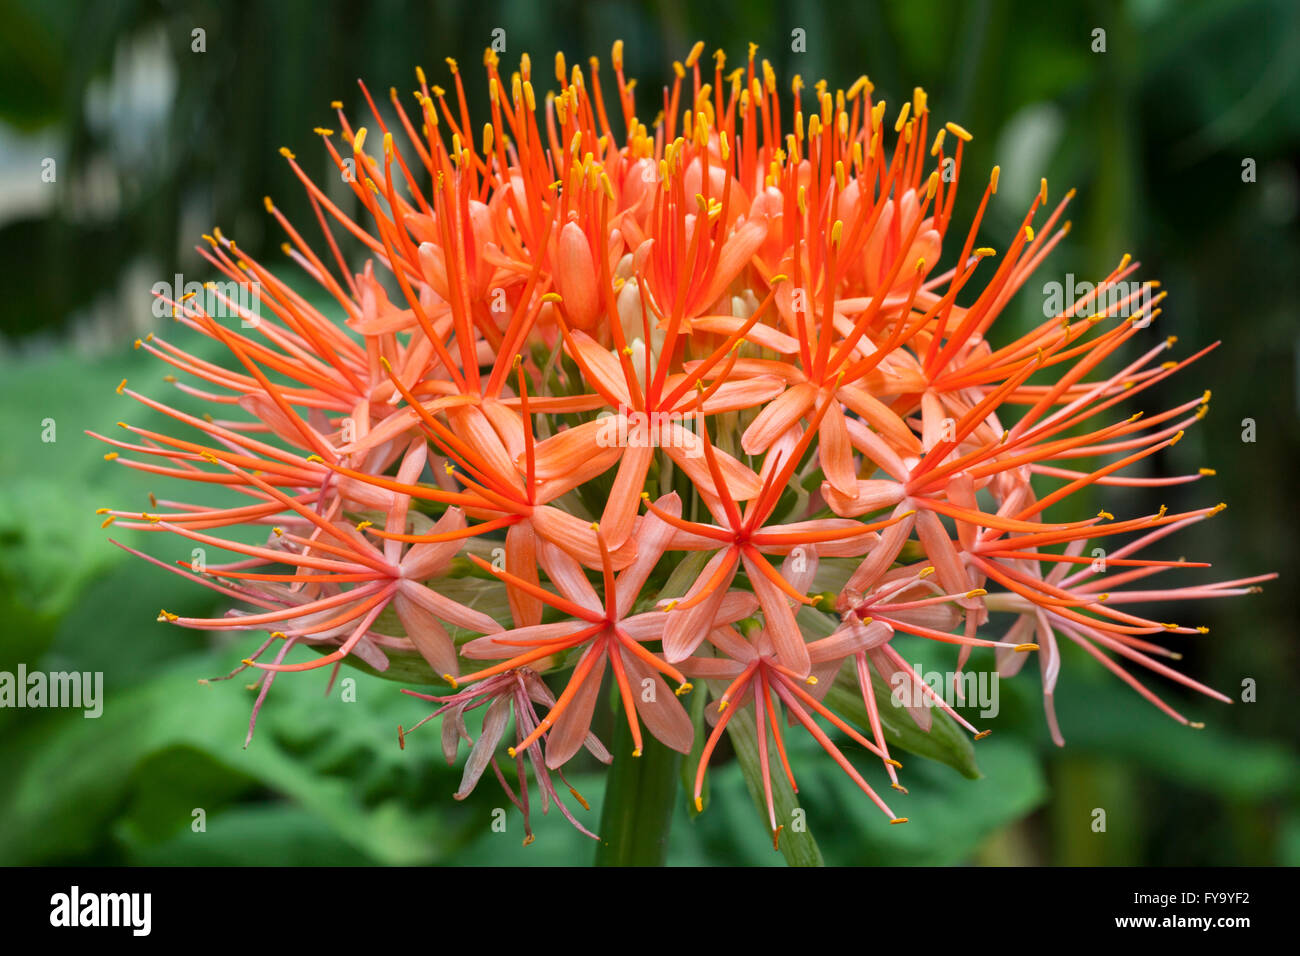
1153, 133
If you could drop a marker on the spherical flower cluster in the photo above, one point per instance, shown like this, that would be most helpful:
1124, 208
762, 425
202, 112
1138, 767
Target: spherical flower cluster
639, 406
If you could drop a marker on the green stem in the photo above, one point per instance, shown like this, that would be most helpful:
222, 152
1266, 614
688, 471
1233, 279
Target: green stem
639, 799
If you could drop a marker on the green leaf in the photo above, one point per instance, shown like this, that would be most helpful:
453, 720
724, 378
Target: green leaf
166, 746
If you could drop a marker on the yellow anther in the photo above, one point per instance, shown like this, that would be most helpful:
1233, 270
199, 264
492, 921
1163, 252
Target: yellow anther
958, 131
902, 117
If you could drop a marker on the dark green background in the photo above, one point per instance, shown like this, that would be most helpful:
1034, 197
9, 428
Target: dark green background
1153, 132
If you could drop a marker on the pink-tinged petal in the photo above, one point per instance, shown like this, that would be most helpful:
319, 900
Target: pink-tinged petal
572, 448
850, 638
521, 561
473, 428
578, 538
520, 640
620, 513
800, 567
881, 417
653, 537
782, 413
868, 495
567, 575
936, 425
453, 732
849, 547
368, 651
740, 394
494, 725
874, 260
662, 713
736, 253
423, 561
736, 606
787, 640
647, 626
686, 450
509, 426
274, 418
541, 694
398, 423
687, 628
748, 368
407, 473
429, 637
1049, 662
937, 617
729, 641
876, 449
599, 462
942, 553
711, 668
453, 612
1010, 661
823, 676
759, 334
902, 687
961, 492
575, 277
573, 726
884, 554
835, 452
603, 371
689, 541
